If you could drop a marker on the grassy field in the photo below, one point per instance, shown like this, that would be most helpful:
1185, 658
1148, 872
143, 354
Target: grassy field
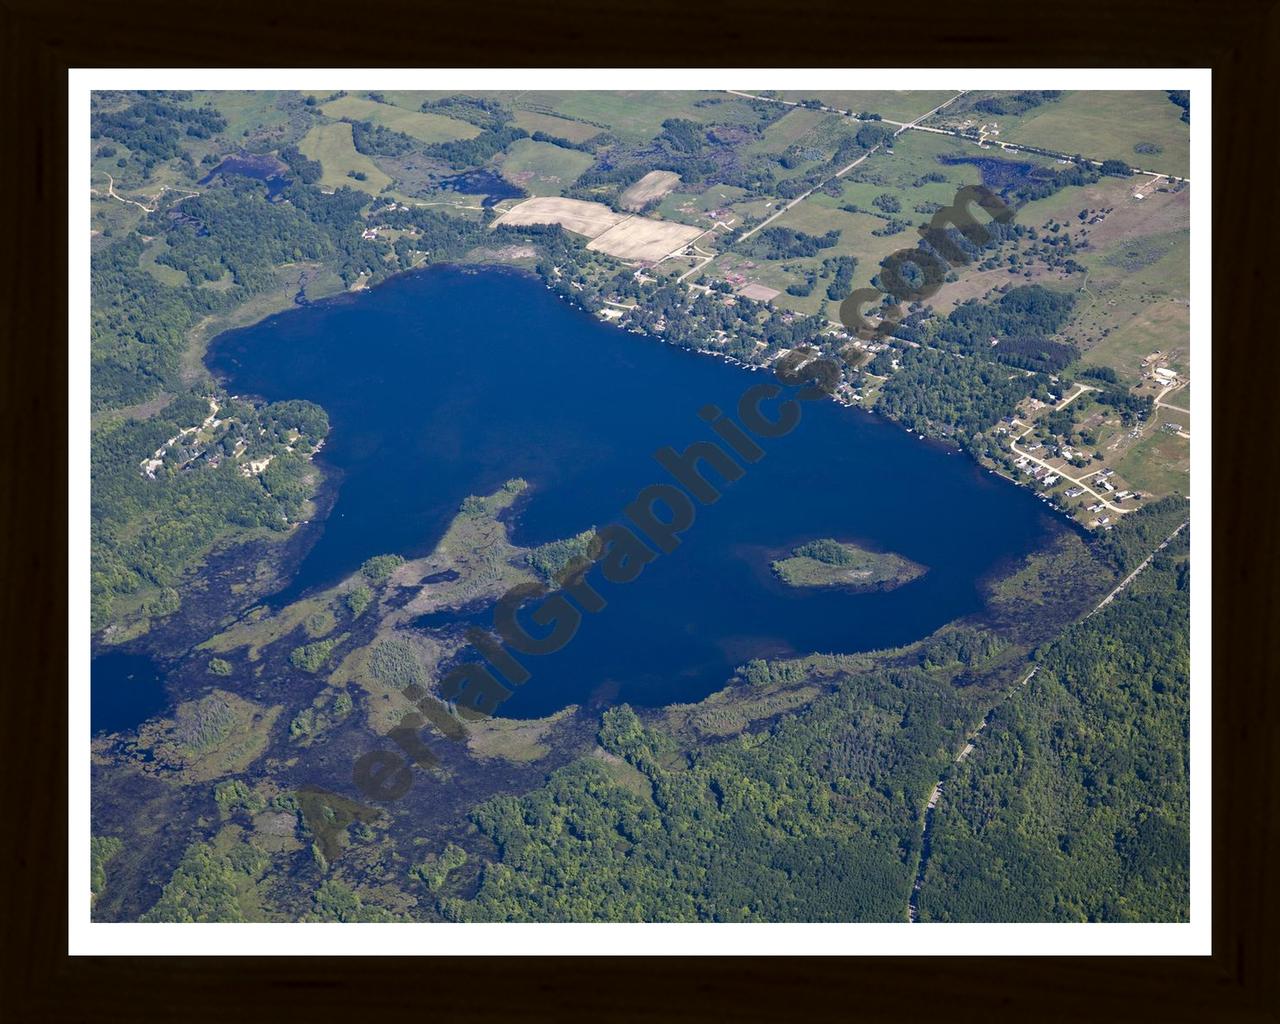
638, 115
793, 127
915, 155
244, 111
1134, 312
428, 128
560, 127
1106, 125
816, 135
543, 169
331, 144
897, 174
651, 187
692, 207
1160, 463
903, 105
161, 272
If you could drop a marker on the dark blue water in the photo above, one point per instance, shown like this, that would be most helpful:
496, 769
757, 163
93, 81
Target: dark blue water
265, 169
447, 382
493, 187
124, 691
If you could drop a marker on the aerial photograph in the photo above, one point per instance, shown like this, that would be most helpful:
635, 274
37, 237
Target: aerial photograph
727, 505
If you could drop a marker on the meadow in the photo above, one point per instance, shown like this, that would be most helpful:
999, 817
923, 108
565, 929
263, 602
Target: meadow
332, 145
1106, 125
429, 128
541, 168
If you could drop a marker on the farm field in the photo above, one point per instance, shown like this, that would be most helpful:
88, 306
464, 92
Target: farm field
642, 238
633, 238
427, 128
541, 168
576, 215
331, 144
1106, 126
653, 185
560, 127
638, 115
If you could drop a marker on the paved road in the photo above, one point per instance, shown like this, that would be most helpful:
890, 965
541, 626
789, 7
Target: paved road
915, 125
1013, 446
1134, 575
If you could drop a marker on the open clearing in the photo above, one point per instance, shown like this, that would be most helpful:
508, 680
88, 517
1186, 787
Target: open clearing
576, 215
559, 127
639, 238
541, 168
331, 144
425, 127
632, 238
653, 185
1106, 125
638, 115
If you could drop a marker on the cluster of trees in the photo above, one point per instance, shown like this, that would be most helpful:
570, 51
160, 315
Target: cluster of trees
488, 114
827, 551
787, 243
395, 661
466, 153
550, 559
147, 532
313, 657
1181, 98
813, 819
152, 127
379, 568
206, 885
379, 140
958, 395
1075, 805
233, 228
1015, 104
1019, 323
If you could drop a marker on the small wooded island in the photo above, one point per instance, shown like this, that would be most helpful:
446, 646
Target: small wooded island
833, 563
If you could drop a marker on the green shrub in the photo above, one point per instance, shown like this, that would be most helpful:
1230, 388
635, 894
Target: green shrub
378, 568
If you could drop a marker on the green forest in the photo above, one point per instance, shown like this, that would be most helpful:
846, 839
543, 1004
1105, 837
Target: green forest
1075, 805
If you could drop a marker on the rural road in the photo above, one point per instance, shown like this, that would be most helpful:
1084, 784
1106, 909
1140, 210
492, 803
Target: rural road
844, 170
1013, 446
926, 826
1011, 147
1134, 575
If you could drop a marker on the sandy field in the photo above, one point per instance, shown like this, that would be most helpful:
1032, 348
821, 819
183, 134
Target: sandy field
639, 238
576, 215
628, 238
653, 185
759, 292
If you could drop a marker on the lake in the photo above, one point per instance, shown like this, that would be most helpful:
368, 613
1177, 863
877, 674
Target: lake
449, 381
124, 691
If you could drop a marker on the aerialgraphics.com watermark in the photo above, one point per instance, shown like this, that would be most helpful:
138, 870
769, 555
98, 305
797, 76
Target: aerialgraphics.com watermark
928, 263
653, 524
